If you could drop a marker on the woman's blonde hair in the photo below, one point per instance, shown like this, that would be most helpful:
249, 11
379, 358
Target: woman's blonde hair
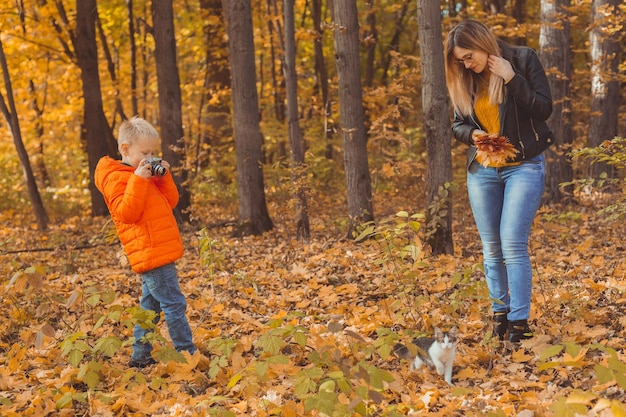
135, 128
463, 83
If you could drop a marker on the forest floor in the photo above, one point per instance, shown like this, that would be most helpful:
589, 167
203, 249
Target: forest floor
293, 328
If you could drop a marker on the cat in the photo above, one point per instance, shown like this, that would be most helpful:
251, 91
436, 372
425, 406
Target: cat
437, 352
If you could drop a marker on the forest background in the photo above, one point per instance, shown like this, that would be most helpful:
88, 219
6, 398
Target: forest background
293, 324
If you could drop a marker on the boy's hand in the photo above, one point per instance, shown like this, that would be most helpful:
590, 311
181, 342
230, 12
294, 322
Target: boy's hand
144, 170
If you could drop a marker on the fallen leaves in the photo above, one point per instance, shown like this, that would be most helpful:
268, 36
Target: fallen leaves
276, 319
494, 150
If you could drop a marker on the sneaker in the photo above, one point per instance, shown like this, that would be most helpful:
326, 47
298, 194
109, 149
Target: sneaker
500, 324
141, 364
519, 330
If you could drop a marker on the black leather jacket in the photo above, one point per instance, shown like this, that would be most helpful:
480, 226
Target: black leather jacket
523, 114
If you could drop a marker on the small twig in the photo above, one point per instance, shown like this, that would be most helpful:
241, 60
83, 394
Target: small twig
62, 247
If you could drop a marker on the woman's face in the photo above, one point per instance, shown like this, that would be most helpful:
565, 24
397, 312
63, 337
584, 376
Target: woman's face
471, 59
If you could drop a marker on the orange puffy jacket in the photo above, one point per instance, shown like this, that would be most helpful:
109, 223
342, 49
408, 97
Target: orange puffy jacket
142, 212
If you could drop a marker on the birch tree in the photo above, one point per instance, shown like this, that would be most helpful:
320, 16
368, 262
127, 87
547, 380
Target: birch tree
605, 91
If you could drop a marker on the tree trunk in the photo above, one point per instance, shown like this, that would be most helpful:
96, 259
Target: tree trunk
215, 121
170, 102
254, 218
133, 58
555, 53
352, 115
119, 107
298, 168
10, 114
322, 75
278, 86
605, 91
97, 131
436, 128
371, 41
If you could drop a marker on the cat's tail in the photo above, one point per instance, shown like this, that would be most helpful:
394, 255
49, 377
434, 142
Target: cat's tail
402, 351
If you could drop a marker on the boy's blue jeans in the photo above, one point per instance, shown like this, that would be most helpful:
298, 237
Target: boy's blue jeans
504, 203
161, 293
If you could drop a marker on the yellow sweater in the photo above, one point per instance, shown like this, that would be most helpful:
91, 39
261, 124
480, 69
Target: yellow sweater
489, 117
487, 113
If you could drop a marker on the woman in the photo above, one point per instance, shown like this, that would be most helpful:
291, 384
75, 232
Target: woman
501, 89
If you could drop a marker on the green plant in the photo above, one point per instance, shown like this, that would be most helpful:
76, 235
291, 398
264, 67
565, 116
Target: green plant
606, 369
611, 152
210, 256
438, 210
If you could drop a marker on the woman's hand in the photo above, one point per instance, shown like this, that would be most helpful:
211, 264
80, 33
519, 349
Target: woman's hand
500, 67
476, 133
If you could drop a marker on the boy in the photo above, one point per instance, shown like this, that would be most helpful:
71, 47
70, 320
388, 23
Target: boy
140, 198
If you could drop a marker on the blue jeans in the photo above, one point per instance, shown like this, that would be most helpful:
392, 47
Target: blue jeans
161, 293
504, 202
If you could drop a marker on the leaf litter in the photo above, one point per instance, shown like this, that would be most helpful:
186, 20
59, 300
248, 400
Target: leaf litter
273, 316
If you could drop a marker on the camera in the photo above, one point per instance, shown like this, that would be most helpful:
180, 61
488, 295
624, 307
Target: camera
156, 167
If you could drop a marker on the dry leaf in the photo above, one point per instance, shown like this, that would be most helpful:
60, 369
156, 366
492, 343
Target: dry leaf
494, 150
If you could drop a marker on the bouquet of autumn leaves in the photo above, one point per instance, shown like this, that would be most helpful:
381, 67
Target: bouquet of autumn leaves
494, 150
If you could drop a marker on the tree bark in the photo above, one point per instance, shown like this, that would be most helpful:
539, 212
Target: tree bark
298, 167
133, 58
436, 128
352, 115
322, 75
10, 114
278, 86
170, 102
555, 53
371, 41
214, 112
605, 91
97, 131
254, 217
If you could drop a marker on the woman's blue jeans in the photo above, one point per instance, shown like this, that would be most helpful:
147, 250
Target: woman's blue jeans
161, 293
504, 203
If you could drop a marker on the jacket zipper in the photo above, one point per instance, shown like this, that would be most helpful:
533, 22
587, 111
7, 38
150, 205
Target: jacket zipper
519, 136
532, 125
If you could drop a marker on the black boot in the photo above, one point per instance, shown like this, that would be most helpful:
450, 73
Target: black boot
519, 330
500, 324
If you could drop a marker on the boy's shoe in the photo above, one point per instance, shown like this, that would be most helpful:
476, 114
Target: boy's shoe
519, 330
141, 364
500, 324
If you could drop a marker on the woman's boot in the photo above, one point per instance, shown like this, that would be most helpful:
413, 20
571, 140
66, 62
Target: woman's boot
500, 324
519, 330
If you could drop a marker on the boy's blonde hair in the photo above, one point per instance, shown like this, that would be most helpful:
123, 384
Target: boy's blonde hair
463, 83
133, 129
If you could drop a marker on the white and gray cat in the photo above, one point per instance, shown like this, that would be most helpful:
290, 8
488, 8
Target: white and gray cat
437, 352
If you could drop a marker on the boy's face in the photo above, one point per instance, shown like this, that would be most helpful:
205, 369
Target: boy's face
141, 149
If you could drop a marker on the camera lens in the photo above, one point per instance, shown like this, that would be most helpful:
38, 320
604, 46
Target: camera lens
158, 169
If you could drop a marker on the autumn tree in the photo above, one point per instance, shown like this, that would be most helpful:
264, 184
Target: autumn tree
436, 129
352, 115
555, 54
214, 108
296, 142
254, 217
322, 75
96, 129
10, 115
605, 89
170, 107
